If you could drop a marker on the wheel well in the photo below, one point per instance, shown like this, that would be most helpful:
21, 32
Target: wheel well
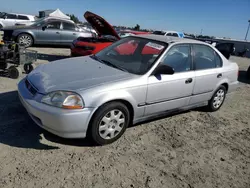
225, 85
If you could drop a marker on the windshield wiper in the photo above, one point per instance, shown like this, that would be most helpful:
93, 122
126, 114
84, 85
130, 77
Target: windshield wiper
113, 65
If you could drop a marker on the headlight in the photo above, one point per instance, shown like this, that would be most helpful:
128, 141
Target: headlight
63, 99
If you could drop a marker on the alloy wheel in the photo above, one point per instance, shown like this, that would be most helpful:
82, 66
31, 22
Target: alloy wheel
218, 98
25, 40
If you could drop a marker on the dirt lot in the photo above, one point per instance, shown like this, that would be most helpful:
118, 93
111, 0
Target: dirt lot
193, 149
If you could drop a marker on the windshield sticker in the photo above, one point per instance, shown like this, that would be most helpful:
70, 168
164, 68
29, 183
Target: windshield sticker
154, 45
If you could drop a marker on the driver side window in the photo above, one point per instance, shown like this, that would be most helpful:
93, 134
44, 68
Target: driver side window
53, 25
179, 58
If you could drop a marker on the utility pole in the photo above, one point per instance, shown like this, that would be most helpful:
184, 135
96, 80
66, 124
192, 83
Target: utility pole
201, 31
247, 29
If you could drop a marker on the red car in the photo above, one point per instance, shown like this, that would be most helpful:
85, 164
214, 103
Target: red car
106, 36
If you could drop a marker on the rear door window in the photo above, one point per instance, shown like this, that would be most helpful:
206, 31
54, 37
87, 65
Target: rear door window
20, 17
69, 26
205, 57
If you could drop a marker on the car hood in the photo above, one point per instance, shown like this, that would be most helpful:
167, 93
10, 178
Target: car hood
101, 26
74, 74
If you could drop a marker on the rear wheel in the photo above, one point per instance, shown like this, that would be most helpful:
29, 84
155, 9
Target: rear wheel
217, 99
109, 123
25, 39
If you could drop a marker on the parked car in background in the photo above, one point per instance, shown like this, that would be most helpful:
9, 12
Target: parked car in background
88, 28
28, 23
106, 36
125, 33
102, 94
10, 19
169, 33
48, 32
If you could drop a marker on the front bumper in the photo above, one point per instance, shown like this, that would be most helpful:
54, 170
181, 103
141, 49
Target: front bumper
61, 122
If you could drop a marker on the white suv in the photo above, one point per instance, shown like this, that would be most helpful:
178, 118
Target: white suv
10, 19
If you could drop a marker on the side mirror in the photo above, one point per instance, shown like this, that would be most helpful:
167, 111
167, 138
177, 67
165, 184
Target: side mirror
163, 69
4, 17
44, 27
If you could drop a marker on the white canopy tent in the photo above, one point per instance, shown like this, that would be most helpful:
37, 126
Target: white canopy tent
59, 14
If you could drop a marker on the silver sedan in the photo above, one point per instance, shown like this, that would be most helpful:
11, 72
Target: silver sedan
134, 79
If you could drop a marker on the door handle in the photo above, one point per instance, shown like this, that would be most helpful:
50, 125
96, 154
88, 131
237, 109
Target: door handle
74, 34
189, 80
57, 33
219, 75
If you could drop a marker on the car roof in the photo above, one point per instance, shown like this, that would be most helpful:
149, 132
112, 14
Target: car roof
21, 14
58, 19
169, 39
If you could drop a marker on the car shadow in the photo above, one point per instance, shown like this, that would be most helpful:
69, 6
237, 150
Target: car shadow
49, 57
18, 130
243, 77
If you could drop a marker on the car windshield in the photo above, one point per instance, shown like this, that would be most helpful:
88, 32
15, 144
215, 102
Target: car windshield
2, 14
39, 22
159, 33
132, 54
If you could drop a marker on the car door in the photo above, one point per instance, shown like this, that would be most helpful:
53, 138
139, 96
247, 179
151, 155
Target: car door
69, 33
207, 65
10, 20
167, 92
50, 33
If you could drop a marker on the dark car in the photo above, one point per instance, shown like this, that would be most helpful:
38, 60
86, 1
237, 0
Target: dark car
52, 31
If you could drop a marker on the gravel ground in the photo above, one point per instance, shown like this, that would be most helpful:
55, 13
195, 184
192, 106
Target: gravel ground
193, 149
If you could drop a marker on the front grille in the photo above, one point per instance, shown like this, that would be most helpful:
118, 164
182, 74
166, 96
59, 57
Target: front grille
31, 89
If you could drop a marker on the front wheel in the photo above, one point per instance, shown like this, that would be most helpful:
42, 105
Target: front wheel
217, 99
25, 39
109, 123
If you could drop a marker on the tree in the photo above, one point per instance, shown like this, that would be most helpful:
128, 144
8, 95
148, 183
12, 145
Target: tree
73, 18
137, 27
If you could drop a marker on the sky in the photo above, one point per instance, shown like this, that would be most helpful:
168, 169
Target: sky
221, 18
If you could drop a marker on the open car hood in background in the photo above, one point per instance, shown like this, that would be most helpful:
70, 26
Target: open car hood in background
101, 26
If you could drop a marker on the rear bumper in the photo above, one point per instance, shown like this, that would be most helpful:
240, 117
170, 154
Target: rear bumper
233, 86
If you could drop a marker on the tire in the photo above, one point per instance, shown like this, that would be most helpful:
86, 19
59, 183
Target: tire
105, 127
248, 73
217, 99
28, 68
14, 72
25, 39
